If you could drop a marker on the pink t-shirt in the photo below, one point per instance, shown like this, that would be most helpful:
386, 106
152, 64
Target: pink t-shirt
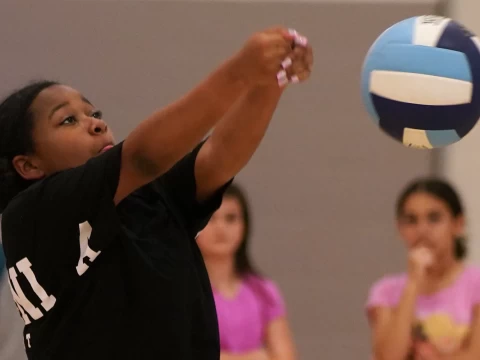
243, 320
443, 317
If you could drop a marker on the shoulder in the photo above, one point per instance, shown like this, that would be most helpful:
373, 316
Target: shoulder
386, 290
468, 284
266, 287
19, 209
268, 295
472, 272
389, 281
272, 287
470, 277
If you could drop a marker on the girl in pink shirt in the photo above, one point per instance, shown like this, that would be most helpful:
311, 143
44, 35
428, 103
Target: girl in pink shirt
250, 309
431, 311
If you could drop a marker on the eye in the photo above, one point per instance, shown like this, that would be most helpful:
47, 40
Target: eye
409, 219
69, 120
97, 114
434, 217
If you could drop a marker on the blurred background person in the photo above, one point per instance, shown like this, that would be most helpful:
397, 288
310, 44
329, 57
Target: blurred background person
431, 311
250, 308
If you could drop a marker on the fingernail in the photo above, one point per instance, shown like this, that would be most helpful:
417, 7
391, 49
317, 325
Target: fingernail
282, 78
282, 82
286, 63
294, 79
292, 32
301, 40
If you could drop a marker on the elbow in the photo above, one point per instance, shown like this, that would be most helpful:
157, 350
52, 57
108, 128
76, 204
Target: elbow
145, 166
148, 167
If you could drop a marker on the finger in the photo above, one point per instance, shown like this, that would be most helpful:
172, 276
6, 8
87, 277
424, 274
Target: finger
300, 55
278, 47
299, 52
286, 63
306, 54
301, 40
298, 61
282, 38
299, 76
282, 78
298, 39
295, 57
296, 68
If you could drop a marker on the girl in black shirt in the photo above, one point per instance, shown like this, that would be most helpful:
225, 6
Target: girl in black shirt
136, 286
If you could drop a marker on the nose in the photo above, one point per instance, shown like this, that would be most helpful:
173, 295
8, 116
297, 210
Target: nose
423, 230
98, 127
219, 227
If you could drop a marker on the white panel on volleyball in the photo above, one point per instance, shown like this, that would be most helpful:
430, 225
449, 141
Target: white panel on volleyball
416, 139
428, 30
476, 41
420, 89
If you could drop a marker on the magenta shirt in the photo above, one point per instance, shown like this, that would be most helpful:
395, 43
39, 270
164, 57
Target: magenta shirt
445, 316
243, 320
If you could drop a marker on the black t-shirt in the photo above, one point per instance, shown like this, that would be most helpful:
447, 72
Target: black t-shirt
138, 289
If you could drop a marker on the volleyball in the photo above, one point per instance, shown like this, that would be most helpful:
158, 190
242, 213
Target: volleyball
421, 81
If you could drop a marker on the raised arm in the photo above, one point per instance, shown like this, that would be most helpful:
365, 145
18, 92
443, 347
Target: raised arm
392, 327
237, 136
166, 136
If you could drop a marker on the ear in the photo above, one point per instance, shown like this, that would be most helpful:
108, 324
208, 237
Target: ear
24, 165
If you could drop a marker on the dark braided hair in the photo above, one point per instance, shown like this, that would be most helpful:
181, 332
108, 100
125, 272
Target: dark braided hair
16, 137
443, 191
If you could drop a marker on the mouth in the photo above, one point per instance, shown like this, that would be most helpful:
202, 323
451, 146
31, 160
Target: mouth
106, 148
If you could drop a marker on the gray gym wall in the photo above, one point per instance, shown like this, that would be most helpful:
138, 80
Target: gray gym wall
324, 181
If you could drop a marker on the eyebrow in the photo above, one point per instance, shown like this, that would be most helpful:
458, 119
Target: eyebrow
59, 106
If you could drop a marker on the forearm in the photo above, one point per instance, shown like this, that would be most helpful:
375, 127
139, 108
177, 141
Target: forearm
236, 137
167, 135
396, 343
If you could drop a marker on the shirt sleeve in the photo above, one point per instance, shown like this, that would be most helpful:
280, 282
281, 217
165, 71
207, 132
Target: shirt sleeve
180, 188
60, 202
474, 284
77, 193
380, 294
276, 305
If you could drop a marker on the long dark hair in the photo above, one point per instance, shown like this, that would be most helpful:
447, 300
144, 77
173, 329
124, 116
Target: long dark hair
243, 262
443, 191
16, 137
244, 266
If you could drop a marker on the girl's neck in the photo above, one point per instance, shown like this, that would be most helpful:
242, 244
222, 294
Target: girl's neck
223, 276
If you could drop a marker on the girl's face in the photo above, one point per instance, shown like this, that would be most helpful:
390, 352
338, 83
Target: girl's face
67, 132
427, 220
224, 233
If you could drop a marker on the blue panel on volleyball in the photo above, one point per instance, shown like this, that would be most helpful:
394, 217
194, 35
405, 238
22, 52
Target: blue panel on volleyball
400, 33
